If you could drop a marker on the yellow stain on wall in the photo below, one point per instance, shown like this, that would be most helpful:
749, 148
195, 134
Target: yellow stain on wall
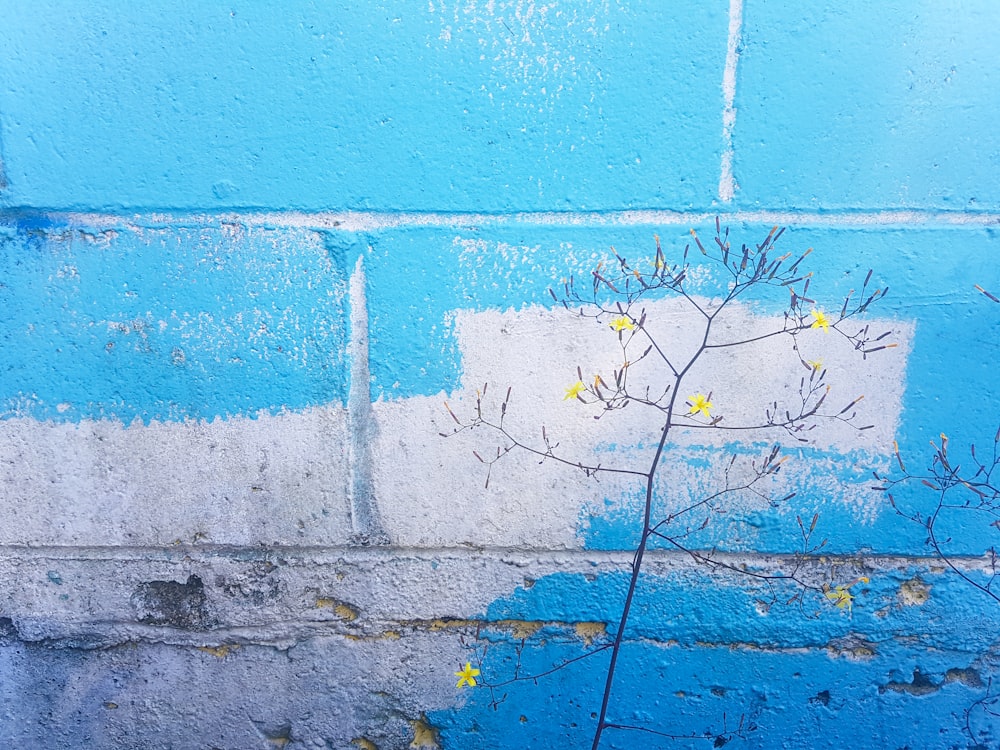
364, 743
385, 635
914, 592
520, 628
220, 652
851, 651
425, 736
517, 628
589, 631
345, 612
440, 624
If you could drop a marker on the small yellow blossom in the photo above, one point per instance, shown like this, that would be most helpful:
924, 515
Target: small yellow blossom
467, 676
841, 596
575, 390
699, 403
622, 323
821, 321
816, 364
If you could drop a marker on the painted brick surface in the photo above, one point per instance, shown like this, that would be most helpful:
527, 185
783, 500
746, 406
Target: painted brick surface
906, 128
247, 255
541, 105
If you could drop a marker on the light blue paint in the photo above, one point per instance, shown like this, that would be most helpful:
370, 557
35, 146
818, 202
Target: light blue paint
168, 324
700, 607
420, 276
184, 323
3, 170
856, 105
778, 682
384, 105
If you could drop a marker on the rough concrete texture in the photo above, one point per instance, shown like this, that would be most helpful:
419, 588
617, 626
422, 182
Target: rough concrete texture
248, 255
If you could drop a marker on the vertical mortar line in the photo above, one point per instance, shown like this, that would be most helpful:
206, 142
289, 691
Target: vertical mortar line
727, 183
3, 172
362, 429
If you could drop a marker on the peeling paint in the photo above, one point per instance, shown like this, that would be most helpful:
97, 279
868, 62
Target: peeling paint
591, 631
425, 736
914, 592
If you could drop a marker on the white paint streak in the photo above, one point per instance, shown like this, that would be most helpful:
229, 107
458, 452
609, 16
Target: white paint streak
362, 221
536, 50
727, 182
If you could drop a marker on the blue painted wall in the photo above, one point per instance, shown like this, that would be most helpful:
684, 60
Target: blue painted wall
179, 198
857, 105
386, 105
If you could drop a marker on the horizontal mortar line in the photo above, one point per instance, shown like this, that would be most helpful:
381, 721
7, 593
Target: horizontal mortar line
285, 634
506, 555
361, 221
279, 628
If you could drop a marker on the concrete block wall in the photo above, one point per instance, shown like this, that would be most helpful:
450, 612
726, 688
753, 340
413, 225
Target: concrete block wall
247, 252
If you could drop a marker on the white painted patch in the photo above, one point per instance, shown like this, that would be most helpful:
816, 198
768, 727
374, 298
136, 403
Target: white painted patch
272, 480
536, 351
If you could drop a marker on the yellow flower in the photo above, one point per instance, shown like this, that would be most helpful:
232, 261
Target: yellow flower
575, 390
841, 597
821, 321
467, 676
816, 364
622, 324
699, 403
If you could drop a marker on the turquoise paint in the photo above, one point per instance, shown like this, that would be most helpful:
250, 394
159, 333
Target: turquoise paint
786, 698
177, 323
696, 606
749, 524
386, 105
413, 347
427, 273
869, 105
419, 277
168, 324
792, 673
